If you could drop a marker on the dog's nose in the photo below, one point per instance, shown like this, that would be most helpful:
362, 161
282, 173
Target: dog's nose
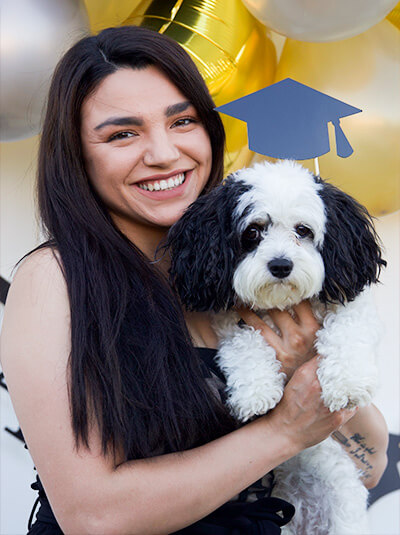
280, 267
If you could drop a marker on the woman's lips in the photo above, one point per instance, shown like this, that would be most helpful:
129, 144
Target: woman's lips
163, 184
179, 183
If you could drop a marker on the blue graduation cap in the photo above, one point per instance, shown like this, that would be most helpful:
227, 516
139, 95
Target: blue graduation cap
289, 120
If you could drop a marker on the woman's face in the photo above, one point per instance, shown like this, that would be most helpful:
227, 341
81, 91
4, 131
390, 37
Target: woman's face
146, 153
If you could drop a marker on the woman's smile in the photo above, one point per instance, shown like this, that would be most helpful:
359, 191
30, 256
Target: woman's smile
159, 185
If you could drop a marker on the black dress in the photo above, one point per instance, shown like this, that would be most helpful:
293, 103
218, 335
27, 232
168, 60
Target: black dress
252, 512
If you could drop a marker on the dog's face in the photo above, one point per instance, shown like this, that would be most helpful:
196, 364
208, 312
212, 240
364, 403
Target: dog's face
281, 224
270, 237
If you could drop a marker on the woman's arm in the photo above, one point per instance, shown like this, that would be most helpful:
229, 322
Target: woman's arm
365, 438
88, 492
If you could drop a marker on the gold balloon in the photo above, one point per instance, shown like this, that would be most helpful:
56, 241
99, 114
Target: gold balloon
394, 16
229, 46
363, 71
106, 13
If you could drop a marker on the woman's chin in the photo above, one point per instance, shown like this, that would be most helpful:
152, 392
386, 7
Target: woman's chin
169, 218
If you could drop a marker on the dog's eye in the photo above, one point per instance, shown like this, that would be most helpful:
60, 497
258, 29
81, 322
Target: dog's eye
251, 237
304, 232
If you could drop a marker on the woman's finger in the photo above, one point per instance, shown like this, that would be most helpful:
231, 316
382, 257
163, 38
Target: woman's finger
282, 319
251, 319
305, 314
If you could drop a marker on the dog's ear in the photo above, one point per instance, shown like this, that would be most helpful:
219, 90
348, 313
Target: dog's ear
204, 248
351, 250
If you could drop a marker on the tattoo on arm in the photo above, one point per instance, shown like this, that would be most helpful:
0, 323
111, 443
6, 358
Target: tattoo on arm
341, 438
357, 447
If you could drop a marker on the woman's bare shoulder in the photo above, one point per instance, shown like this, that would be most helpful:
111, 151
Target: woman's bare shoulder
37, 306
39, 276
39, 263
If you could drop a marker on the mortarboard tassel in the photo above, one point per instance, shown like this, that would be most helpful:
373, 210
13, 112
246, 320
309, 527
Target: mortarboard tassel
343, 147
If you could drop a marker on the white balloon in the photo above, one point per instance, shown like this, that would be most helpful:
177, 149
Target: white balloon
34, 35
320, 20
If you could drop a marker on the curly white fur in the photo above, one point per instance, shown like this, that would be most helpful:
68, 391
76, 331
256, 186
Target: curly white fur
321, 482
248, 379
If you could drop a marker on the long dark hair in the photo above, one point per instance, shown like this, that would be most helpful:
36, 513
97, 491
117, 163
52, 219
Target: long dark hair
132, 367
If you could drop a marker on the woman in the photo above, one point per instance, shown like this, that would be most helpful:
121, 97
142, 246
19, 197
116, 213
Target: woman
121, 417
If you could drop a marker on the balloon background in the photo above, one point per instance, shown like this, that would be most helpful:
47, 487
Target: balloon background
105, 13
320, 20
34, 35
235, 52
394, 16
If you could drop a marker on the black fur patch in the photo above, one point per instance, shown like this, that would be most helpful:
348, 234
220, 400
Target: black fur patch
351, 251
205, 249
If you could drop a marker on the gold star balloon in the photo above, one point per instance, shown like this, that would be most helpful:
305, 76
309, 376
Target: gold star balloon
229, 46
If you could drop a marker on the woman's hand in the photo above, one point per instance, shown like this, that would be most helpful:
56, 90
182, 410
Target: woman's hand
295, 344
301, 414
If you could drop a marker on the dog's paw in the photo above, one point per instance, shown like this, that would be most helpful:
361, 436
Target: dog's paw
246, 402
344, 401
346, 385
347, 394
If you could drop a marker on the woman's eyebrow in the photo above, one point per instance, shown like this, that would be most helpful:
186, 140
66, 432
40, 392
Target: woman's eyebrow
136, 121
120, 121
177, 108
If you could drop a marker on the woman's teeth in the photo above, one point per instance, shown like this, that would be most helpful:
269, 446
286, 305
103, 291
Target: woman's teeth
161, 185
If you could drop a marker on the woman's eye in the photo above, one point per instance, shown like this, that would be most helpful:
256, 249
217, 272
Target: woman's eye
251, 237
304, 232
121, 135
184, 122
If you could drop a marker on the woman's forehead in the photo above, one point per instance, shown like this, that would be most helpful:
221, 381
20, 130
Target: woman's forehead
142, 92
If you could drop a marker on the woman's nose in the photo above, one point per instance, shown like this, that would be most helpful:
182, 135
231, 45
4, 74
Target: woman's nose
161, 150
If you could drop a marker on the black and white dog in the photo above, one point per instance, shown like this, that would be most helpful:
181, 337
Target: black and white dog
269, 237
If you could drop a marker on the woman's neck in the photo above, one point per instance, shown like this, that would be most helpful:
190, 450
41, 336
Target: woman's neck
200, 328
